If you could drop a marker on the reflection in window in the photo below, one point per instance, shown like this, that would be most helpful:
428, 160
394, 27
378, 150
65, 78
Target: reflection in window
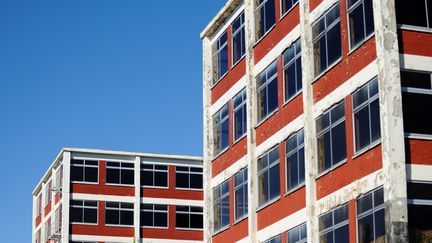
268, 176
221, 205
295, 165
220, 57
333, 226
370, 217
239, 109
298, 234
292, 70
220, 130
264, 17
360, 19
267, 91
238, 38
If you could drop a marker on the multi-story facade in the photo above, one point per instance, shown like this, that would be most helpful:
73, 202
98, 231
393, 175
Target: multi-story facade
316, 124
91, 195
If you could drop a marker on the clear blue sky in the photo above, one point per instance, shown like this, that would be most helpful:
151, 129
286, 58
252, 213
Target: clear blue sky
109, 74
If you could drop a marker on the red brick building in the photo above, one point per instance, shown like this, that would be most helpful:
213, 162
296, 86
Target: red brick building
316, 123
91, 195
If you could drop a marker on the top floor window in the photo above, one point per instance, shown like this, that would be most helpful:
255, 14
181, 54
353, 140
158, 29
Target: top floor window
238, 38
189, 177
333, 226
360, 20
268, 177
154, 175
84, 170
414, 13
220, 57
239, 111
220, 130
264, 17
292, 70
326, 34
287, 5
120, 173
38, 204
59, 177
267, 91
48, 188
331, 139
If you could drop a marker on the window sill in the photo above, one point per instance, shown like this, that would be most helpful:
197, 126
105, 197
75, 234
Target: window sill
356, 47
335, 166
238, 61
156, 187
122, 185
119, 225
292, 98
418, 136
367, 148
88, 224
327, 70
153, 227
414, 28
268, 203
221, 230
220, 153
189, 229
291, 191
85, 182
288, 11
266, 118
237, 221
239, 139
222, 77
262, 37
189, 189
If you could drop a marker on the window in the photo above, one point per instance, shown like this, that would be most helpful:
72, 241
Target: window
295, 164
120, 173
220, 57
118, 213
326, 33
220, 130
366, 115
58, 219
83, 211
59, 177
419, 211
268, 176
154, 175
48, 188
239, 111
298, 234
370, 217
264, 17
331, 137
414, 13
38, 204
276, 239
333, 226
84, 170
267, 91
287, 5
188, 217
189, 177
241, 194
360, 20
238, 38
221, 205
154, 215
292, 70
417, 92
47, 229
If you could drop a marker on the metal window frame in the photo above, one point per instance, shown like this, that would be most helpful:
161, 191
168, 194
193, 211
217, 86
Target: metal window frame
84, 166
244, 185
239, 31
189, 213
153, 170
217, 202
121, 169
372, 211
82, 207
286, 65
296, 150
282, 13
349, 11
334, 226
264, 86
120, 209
219, 47
188, 172
273, 238
153, 211
265, 171
242, 104
219, 125
298, 227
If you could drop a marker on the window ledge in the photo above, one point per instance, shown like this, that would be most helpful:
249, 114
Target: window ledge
220, 153
119, 225
334, 167
153, 227
418, 136
85, 182
266, 118
262, 37
292, 98
356, 47
327, 70
88, 224
237, 221
414, 28
221, 230
288, 11
239, 139
367, 148
238, 61
122, 185
155, 187
265, 205
189, 229
291, 191
189, 189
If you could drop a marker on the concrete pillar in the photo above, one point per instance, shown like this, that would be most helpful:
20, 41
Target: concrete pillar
392, 133
137, 203
309, 122
65, 201
43, 221
33, 218
207, 144
251, 120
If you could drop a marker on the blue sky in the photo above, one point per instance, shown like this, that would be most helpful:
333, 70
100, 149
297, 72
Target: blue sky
108, 74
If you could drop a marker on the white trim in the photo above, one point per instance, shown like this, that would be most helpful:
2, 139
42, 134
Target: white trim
419, 172
105, 198
229, 172
321, 9
228, 95
277, 50
347, 88
152, 240
172, 201
98, 238
280, 135
99, 159
415, 62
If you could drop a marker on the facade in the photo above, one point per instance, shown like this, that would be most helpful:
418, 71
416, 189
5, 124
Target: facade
110, 196
315, 121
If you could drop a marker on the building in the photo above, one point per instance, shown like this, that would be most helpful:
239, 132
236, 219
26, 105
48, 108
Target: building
316, 121
91, 195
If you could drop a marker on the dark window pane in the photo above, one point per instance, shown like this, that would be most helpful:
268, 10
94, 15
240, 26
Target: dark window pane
146, 178
337, 112
270, 18
327, 238
356, 25
224, 135
340, 214
274, 181
112, 216
91, 174
146, 218
324, 152
414, 119
182, 220
127, 177
90, 215
196, 181
91, 162
411, 13
272, 96
375, 121
113, 176
77, 162
322, 122
113, 164
263, 188
182, 180
419, 191
126, 217
360, 96
293, 235
364, 203
361, 126
342, 234
160, 219
196, 221
334, 48
325, 221
225, 211
420, 229
290, 81
379, 226
339, 143
161, 179
292, 171
365, 229
76, 215
299, 74
369, 22
419, 80
77, 173
301, 166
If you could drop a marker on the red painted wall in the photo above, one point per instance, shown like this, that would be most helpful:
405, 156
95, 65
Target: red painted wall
415, 42
418, 151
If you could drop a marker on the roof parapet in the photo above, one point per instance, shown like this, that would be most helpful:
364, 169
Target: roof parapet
220, 17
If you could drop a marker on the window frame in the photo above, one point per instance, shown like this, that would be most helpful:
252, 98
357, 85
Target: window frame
216, 201
85, 207
244, 185
219, 125
296, 150
264, 86
84, 165
286, 65
119, 209
189, 172
271, 239
334, 226
352, 48
371, 211
283, 14
153, 211
298, 228
217, 51
189, 213
153, 170
240, 30
416, 27
121, 168
38, 205
235, 109
266, 170
258, 8
48, 196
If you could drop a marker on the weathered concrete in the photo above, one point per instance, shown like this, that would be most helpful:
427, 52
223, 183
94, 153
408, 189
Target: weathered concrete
65, 201
392, 133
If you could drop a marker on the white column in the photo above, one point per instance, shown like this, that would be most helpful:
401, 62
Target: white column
66, 196
33, 218
137, 182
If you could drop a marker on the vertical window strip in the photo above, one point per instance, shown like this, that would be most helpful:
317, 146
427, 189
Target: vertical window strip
238, 39
220, 130
264, 17
241, 194
266, 164
294, 146
221, 206
239, 110
267, 98
220, 57
292, 70
371, 206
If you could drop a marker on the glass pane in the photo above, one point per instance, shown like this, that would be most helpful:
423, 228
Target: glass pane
419, 80
324, 152
182, 180
288, 54
112, 216
369, 22
325, 221
414, 119
334, 48
225, 211
290, 81
274, 155
270, 17
293, 235
161, 219
146, 178
91, 162
182, 220
338, 112
342, 234
380, 226
77, 173
126, 217
292, 171
161, 179
360, 96
378, 197
411, 13
364, 203
196, 181
361, 128
239, 202
76, 215
113, 164
196, 221
272, 96
301, 166
262, 188
356, 26
274, 181
365, 229
420, 229
113, 176
351, 2
323, 122
299, 74
91, 174
375, 121
127, 177
332, 15
419, 191
340, 214
338, 143
320, 55
318, 28
90, 216
146, 218
327, 238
